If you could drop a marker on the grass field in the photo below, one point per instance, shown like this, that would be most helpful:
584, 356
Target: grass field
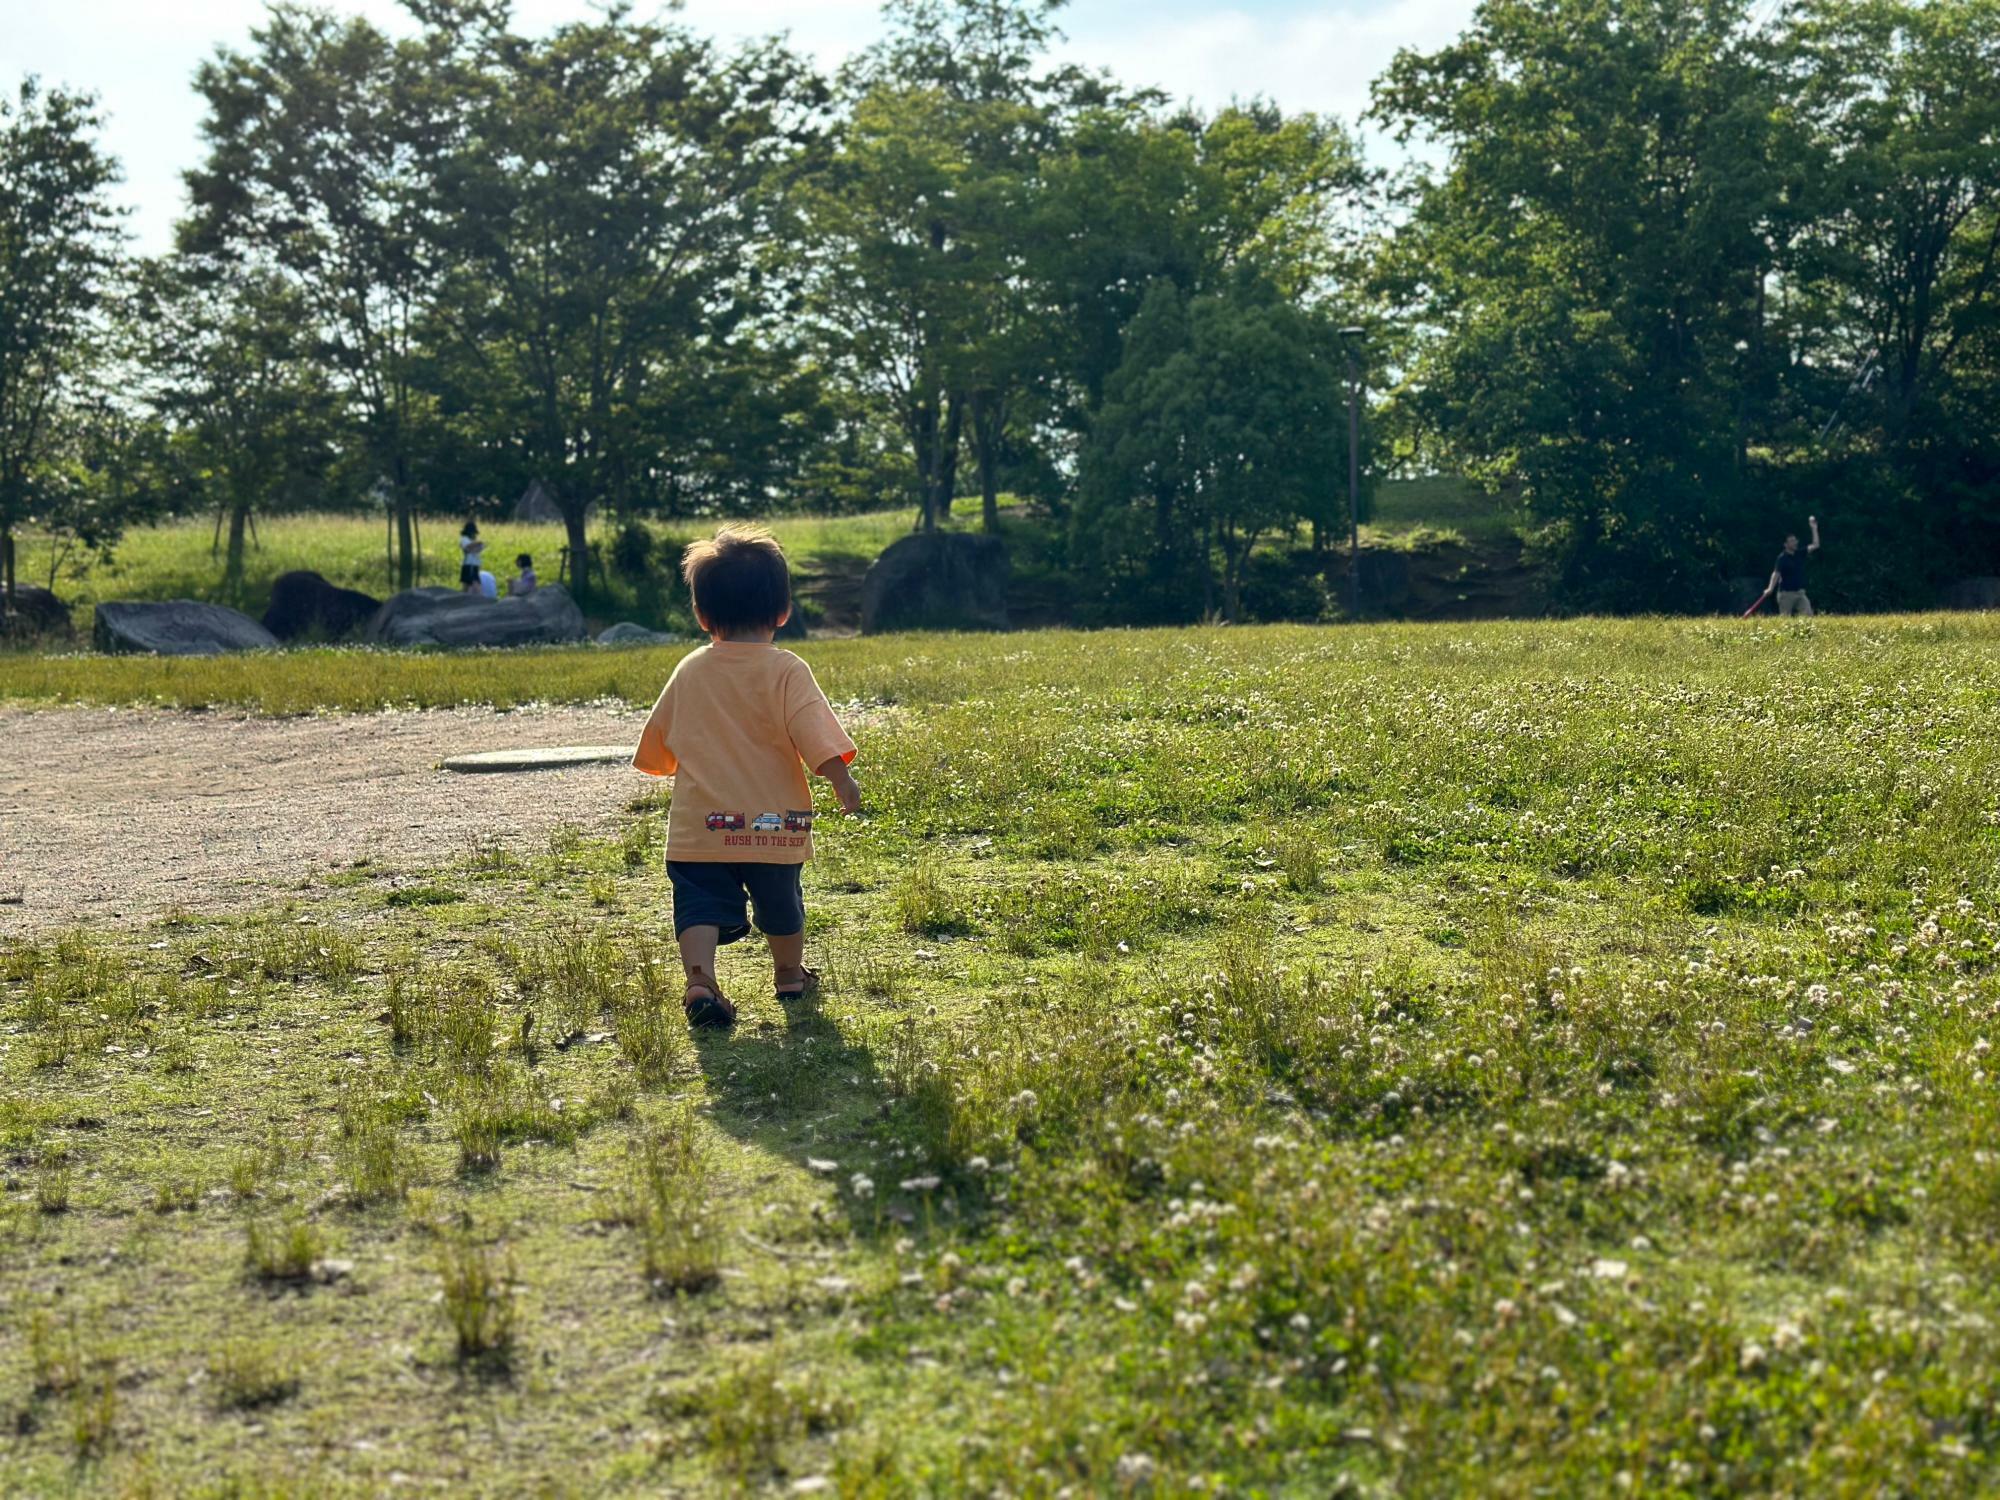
1518, 1059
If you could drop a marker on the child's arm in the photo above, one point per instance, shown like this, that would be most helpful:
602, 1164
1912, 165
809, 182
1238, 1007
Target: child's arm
844, 786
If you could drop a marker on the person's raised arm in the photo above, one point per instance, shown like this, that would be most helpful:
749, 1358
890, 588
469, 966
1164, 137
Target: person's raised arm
1812, 524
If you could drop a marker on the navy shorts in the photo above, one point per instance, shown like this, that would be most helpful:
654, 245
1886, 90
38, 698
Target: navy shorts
717, 893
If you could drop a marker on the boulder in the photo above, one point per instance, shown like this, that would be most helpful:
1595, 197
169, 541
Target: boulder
446, 617
178, 627
625, 633
34, 611
937, 580
1973, 593
304, 603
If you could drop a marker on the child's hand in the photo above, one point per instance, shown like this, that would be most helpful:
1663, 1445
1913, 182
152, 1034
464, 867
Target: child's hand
845, 789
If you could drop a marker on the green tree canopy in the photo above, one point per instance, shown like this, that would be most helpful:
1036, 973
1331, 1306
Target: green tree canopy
60, 255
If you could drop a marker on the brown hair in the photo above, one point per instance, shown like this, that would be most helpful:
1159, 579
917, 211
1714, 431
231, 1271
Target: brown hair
739, 579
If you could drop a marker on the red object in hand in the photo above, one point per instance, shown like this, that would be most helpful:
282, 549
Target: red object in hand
1756, 604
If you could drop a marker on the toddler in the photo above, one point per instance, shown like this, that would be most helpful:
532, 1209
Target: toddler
737, 725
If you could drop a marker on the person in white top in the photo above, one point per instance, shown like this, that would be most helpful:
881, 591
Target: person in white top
489, 586
471, 549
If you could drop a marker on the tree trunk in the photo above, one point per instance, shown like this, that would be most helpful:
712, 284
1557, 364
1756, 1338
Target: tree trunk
1208, 571
924, 447
232, 568
7, 564
574, 514
1232, 580
988, 420
406, 556
948, 465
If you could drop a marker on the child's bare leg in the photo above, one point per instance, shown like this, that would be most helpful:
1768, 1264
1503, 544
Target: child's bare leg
698, 957
788, 961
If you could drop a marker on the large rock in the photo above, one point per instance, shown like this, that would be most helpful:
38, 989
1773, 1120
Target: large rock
447, 617
305, 604
1973, 593
178, 627
625, 633
937, 580
34, 611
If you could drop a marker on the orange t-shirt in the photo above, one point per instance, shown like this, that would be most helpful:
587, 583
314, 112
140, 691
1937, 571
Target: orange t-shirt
736, 727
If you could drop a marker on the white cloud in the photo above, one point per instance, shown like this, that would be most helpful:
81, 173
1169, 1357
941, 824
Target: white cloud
1306, 57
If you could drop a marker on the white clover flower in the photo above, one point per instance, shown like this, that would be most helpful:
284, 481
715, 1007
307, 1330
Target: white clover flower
861, 1185
1134, 1468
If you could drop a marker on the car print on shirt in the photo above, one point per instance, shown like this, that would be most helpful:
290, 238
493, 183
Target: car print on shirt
766, 823
721, 822
798, 822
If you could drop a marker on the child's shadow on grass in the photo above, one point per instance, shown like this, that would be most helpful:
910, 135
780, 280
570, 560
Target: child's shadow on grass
771, 1074
795, 1085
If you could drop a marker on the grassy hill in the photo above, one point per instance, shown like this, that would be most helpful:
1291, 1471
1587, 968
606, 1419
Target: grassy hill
1526, 1058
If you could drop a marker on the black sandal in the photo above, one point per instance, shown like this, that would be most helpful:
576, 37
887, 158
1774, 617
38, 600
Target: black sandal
807, 990
711, 1009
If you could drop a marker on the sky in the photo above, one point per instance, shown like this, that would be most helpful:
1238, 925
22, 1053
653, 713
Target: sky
139, 57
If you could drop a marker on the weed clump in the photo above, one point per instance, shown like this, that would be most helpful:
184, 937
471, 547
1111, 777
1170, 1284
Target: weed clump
249, 1374
282, 1251
668, 1202
477, 1286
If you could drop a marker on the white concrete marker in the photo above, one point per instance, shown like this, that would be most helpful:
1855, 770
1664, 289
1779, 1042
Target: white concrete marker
552, 759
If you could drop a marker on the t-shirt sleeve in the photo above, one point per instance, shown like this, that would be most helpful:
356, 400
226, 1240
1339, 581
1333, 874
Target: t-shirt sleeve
816, 733
654, 754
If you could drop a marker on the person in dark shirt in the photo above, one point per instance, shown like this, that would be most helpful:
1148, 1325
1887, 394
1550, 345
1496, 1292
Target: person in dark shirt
1788, 577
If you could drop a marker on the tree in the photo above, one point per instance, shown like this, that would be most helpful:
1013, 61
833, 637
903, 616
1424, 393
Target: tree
59, 254
321, 144
1895, 267
1591, 262
928, 289
609, 208
251, 418
1223, 425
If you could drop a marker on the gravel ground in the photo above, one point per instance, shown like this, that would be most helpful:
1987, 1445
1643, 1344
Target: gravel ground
119, 815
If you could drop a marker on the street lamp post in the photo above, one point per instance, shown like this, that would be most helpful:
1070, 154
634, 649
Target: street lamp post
1350, 338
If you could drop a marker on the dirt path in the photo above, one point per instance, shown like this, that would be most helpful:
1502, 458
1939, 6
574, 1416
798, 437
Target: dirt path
123, 814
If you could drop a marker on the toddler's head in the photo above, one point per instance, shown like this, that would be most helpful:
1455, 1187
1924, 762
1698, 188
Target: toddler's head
739, 581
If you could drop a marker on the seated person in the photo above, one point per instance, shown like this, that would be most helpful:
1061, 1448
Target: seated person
525, 583
489, 586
